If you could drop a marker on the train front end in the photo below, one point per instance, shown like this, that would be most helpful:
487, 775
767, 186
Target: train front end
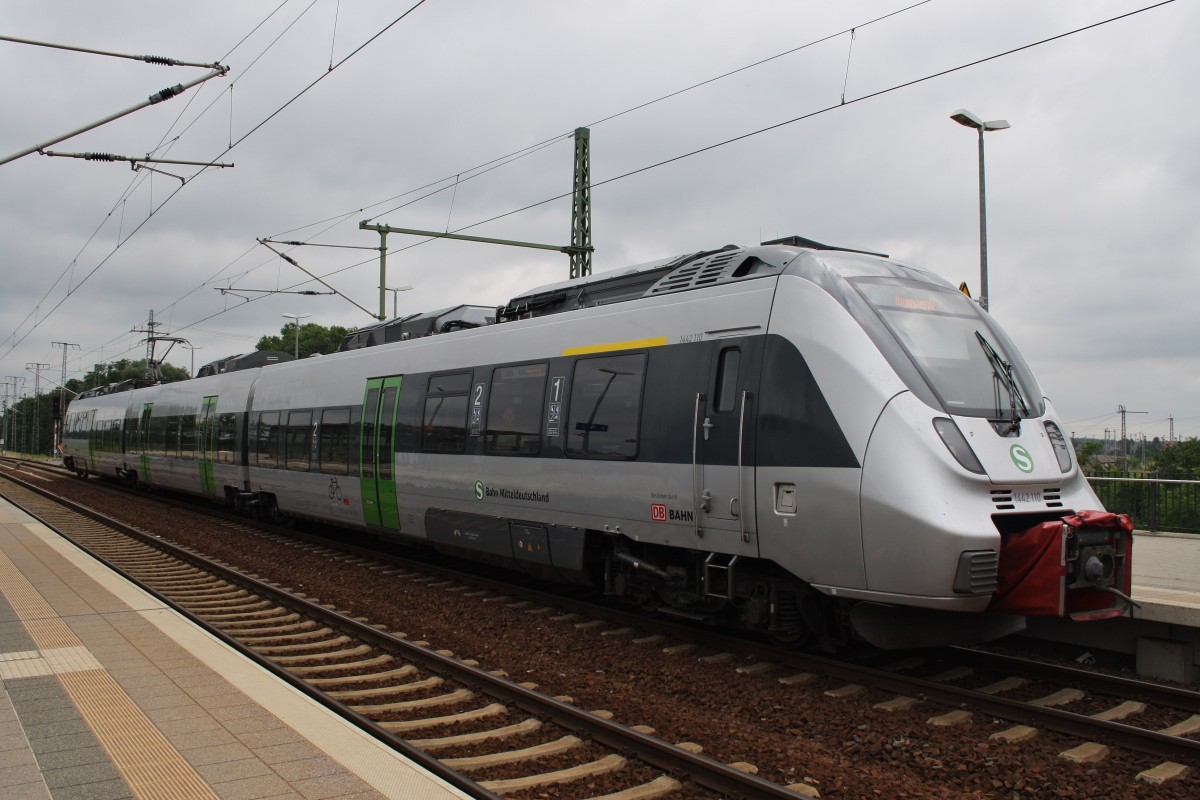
972, 503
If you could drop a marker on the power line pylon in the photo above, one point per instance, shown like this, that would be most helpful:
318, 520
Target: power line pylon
581, 207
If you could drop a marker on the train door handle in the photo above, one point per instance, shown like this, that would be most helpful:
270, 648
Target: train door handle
733, 507
708, 426
705, 499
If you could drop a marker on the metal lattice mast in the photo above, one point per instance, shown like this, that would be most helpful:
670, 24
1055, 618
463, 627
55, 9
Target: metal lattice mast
37, 396
581, 207
62, 391
1125, 442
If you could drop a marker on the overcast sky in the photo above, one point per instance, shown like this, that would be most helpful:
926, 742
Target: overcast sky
1093, 194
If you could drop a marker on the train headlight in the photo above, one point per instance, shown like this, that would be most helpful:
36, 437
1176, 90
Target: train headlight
1061, 451
956, 443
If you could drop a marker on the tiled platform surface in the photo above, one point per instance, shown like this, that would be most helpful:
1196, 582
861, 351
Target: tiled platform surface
105, 693
1166, 577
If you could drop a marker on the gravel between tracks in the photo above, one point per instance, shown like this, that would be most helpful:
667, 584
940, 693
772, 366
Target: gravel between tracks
843, 747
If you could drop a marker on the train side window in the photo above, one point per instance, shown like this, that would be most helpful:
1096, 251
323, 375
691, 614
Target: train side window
387, 453
226, 438
514, 411
444, 426
298, 447
187, 437
267, 440
335, 441
173, 436
727, 378
605, 407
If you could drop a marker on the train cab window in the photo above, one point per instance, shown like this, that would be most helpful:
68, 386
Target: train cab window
605, 407
227, 438
444, 426
266, 440
514, 410
298, 448
727, 379
335, 441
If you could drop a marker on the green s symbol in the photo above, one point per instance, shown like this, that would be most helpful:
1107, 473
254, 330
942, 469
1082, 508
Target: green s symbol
479, 489
1020, 456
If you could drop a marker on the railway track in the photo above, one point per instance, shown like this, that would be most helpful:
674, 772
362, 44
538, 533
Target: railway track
479, 730
948, 688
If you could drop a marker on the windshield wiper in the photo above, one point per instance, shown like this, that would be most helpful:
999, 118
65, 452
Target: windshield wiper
1003, 372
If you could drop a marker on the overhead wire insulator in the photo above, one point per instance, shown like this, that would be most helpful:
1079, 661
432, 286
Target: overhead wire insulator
166, 62
166, 94
100, 157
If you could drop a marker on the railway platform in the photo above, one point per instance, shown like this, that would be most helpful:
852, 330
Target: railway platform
107, 693
1164, 633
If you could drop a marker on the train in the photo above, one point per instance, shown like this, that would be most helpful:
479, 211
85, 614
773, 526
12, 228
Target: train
819, 444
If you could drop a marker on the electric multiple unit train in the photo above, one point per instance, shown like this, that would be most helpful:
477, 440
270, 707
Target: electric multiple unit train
806, 441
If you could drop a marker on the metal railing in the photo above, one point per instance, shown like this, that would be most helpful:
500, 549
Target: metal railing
1154, 502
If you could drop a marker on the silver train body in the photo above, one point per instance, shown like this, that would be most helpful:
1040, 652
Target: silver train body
799, 440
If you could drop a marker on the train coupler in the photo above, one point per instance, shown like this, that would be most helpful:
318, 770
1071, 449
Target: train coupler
1077, 567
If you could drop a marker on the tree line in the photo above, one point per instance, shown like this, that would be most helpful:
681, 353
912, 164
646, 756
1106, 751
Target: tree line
28, 424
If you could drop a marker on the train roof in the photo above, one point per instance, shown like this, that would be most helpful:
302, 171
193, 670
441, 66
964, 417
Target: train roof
729, 264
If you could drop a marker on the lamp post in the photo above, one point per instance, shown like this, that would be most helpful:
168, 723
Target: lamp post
193, 348
296, 318
966, 118
395, 294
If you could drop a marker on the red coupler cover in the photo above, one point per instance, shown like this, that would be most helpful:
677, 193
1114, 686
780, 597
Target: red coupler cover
1033, 572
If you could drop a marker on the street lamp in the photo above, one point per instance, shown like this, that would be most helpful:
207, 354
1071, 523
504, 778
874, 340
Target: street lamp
193, 348
964, 117
296, 318
395, 294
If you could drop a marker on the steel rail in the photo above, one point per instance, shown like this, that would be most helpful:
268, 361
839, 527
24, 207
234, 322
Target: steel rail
705, 771
1078, 725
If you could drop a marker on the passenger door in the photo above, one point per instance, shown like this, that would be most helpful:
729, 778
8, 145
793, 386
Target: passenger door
206, 450
144, 442
377, 480
724, 463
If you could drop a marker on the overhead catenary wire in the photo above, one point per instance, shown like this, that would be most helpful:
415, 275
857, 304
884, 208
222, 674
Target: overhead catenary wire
820, 111
478, 170
753, 133
758, 131
533, 148
170, 196
158, 60
732, 140
139, 177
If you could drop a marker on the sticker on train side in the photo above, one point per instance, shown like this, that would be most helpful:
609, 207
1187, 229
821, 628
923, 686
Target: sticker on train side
660, 512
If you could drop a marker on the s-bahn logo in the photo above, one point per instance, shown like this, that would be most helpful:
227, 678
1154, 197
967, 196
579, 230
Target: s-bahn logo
482, 490
1020, 456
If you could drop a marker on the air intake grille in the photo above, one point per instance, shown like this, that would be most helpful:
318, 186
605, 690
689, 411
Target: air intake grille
699, 273
1004, 499
977, 571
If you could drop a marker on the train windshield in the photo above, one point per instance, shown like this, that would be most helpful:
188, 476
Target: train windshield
968, 362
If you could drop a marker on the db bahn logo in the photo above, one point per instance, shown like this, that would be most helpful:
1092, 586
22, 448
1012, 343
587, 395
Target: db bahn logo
660, 513
1020, 456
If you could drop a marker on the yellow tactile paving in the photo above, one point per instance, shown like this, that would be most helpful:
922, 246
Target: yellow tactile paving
153, 769
143, 756
370, 764
32, 663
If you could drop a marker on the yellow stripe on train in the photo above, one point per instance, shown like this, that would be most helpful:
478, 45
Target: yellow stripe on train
657, 341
